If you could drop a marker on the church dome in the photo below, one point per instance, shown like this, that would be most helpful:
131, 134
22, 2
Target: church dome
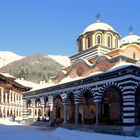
131, 38
98, 26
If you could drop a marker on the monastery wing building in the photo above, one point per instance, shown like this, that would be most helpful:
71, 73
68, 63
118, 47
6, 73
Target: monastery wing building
101, 86
11, 96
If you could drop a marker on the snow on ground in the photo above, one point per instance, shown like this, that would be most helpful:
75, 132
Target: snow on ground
8, 121
15, 131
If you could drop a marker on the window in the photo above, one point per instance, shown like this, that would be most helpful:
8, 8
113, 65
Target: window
134, 55
88, 42
80, 45
98, 39
109, 41
0, 95
4, 98
80, 71
116, 43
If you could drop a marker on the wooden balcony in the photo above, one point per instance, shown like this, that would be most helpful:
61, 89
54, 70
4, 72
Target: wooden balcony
6, 85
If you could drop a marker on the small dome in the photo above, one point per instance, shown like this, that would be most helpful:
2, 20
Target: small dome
131, 38
98, 26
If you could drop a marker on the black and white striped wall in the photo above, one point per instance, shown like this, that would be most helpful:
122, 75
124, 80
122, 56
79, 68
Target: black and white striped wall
126, 80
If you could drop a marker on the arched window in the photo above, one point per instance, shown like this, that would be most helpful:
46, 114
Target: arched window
7, 99
80, 45
0, 95
134, 55
4, 97
98, 39
116, 43
88, 41
109, 41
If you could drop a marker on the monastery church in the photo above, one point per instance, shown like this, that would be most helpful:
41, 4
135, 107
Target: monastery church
101, 86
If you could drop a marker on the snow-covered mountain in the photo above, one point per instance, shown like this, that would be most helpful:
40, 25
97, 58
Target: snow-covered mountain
63, 60
35, 68
7, 57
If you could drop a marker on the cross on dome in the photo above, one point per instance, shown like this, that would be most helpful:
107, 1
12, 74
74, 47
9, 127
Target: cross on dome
131, 29
98, 17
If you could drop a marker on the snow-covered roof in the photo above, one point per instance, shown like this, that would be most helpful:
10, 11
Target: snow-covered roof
46, 85
131, 38
95, 73
82, 60
97, 26
7, 75
41, 86
121, 65
26, 83
64, 71
69, 79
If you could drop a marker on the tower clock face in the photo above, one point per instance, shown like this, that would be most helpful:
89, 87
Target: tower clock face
80, 71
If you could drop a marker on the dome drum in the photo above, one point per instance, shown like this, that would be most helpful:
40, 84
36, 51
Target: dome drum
97, 34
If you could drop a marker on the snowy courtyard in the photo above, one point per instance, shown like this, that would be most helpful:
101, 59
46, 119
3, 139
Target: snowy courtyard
15, 131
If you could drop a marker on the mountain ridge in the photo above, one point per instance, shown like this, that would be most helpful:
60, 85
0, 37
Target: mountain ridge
36, 67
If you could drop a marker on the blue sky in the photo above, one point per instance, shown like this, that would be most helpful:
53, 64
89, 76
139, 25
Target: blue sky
52, 26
